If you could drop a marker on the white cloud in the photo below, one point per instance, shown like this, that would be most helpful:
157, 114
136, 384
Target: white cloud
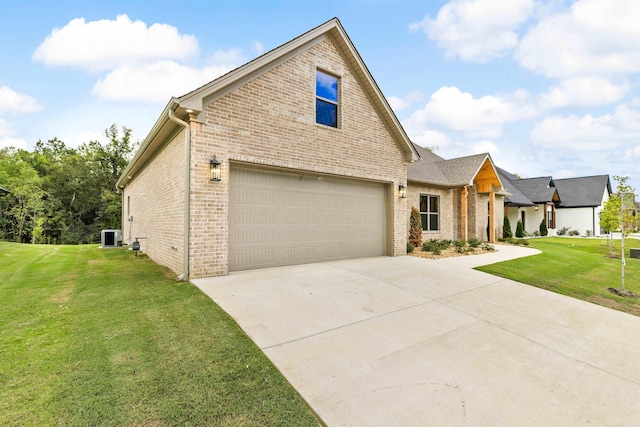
592, 37
582, 92
483, 117
259, 47
154, 83
477, 30
588, 133
632, 153
13, 142
407, 101
8, 138
430, 138
14, 102
78, 138
107, 44
564, 173
484, 146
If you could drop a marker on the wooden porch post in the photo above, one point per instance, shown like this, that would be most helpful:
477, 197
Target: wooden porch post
464, 221
492, 215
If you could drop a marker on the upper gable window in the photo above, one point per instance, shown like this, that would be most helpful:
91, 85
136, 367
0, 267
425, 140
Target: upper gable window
326, 99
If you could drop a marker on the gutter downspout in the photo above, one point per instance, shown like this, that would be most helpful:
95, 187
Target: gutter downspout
187, 190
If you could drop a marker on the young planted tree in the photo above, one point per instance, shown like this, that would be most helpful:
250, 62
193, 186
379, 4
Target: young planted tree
543, 228
506, 228
519, 230
415, 227
627, 196
610, 219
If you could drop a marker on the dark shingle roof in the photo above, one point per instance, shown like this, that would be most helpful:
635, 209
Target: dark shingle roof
584, 191
515, 196
538, 190
436, 170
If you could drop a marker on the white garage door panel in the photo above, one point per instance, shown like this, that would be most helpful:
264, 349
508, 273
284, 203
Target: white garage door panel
278, 218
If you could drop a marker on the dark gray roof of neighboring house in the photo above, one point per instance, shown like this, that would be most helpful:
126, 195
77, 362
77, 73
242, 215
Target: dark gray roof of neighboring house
434, 169
582, 192
515, 196
538, 190
527, 191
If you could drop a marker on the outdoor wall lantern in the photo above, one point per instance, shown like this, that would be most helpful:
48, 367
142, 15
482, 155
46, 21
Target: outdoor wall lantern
402, 190
214, 169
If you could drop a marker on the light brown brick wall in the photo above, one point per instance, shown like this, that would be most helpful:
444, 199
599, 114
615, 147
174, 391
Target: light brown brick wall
447, 214
271, 121
156, 204
450, 212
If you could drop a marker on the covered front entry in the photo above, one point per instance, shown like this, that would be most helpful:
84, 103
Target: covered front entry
281, 218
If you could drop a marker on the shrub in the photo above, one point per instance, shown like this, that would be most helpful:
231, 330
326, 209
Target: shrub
589, 233
474, 243
410, 247
506, 228
563, 231
574, 233
415, 227
519, 230
432, 246
544, 231
487, 247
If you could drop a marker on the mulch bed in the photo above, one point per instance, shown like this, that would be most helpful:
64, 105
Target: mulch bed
447, 253
623, 293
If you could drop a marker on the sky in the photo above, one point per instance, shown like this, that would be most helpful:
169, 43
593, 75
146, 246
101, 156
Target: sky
546, 87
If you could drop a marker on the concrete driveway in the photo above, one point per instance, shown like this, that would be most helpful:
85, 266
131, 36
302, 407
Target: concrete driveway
405, 341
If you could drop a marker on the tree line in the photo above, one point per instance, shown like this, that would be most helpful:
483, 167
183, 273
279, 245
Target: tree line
63, 195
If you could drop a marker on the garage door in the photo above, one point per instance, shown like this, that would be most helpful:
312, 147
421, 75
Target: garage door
278, 218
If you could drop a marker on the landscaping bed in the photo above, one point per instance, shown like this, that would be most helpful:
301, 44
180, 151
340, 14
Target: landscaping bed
436, 249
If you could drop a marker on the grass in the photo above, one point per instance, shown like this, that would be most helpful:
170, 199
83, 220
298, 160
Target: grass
100, 337
580, 268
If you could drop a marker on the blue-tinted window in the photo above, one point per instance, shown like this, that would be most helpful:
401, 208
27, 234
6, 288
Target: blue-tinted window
326, 99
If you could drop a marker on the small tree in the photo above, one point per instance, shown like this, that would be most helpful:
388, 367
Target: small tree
626, 193
415, 227
543, 228
506, 228
610, 219
519, 230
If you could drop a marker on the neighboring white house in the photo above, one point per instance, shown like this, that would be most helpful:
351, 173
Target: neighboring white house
569, 204
581, 201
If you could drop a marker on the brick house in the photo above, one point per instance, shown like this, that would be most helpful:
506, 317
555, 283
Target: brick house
311, 160
311, 164
458, 199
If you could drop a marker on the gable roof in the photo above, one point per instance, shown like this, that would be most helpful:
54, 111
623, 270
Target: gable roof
458, 172
195, 101
515, 197
538, 190
528, 191
578, 192
586, 191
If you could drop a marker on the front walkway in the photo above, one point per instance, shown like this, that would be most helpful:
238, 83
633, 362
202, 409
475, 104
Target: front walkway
409, 341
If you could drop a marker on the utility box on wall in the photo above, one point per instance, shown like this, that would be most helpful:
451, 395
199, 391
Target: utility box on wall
111, 238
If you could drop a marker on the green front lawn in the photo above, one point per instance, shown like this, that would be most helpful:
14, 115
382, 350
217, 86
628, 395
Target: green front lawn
94, 336
580, 268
